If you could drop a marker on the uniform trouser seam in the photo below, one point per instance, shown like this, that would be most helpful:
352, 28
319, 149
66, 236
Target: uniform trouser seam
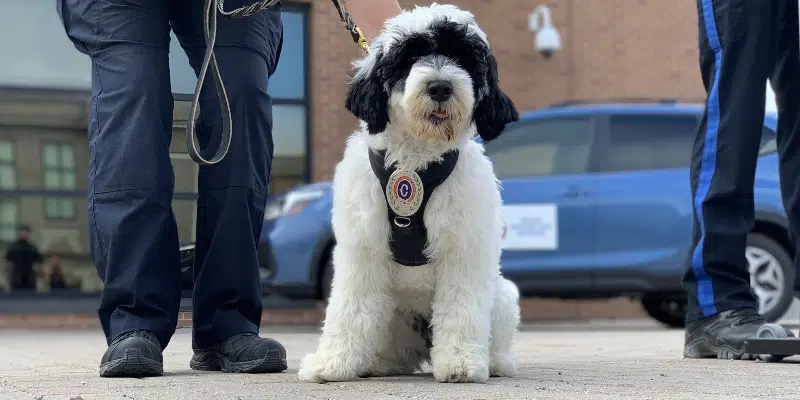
96, 119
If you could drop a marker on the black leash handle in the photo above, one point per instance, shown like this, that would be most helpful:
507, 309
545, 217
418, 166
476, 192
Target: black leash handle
212, 7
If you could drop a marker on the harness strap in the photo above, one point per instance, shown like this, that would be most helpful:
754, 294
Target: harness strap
212, 7
409, 238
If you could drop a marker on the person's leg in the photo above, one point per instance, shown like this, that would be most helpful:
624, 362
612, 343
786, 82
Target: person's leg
28, 278
785, 82
232, 194
736, 58
133, 234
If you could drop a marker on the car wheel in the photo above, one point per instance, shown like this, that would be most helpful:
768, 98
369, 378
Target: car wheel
670, 310
187, 270
771, 275
326, 279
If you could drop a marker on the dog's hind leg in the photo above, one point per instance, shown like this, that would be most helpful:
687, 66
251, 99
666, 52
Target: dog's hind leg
408, 348
505, 320
357, 319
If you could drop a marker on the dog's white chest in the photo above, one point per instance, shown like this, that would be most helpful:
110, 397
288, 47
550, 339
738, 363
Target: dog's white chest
421, 278
414, 287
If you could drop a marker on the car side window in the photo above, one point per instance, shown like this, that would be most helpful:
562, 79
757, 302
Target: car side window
544, 147
639, 142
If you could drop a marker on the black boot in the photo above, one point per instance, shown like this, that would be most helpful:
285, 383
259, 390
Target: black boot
723, 335
243, 352
134, 354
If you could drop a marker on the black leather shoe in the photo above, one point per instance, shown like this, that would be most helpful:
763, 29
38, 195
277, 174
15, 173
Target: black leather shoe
243, 352
723, 335
134, 354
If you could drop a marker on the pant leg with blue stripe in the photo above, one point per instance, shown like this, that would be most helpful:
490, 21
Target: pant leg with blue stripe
737, 55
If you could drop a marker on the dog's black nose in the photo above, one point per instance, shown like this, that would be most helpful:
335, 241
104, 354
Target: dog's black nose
440, 90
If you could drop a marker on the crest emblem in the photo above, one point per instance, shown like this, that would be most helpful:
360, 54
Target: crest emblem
404, 192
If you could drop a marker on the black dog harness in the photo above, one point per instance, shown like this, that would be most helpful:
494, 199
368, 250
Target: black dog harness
406, 194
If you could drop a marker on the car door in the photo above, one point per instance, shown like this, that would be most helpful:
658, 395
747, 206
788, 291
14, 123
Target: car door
548, 206
644, 206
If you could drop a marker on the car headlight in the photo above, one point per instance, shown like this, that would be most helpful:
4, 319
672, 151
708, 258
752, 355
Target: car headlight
290, 203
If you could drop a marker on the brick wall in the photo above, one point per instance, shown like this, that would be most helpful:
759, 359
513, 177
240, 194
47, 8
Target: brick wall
611, 48
332, 51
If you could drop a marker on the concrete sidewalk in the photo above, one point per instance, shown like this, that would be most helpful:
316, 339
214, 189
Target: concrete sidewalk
592, 361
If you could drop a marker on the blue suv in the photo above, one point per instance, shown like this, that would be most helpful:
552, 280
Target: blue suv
597, 205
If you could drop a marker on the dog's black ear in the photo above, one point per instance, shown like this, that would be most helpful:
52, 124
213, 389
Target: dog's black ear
495, 110
367, 99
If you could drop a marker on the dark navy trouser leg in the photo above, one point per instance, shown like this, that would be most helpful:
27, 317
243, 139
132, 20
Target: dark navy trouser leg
737, 54
134, 239
785, 81
232, 194
133, 230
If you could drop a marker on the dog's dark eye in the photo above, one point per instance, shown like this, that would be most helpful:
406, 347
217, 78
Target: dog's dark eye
414, 58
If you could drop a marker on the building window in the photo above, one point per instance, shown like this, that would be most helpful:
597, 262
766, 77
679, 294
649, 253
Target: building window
59, 174
8, 171
8, 181
8, 221
290, 97
289, 80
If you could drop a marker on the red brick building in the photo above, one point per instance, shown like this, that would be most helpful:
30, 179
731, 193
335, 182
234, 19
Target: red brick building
610, 48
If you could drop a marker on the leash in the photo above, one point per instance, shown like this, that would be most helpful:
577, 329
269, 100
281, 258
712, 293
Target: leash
211, 9
355, 31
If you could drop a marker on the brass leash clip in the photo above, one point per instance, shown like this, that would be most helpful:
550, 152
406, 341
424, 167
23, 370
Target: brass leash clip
355, 31
362, 40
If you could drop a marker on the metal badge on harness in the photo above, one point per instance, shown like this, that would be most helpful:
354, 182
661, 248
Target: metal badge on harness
404, 193
407, 193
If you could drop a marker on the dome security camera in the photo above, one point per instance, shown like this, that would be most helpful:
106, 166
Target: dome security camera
548, 40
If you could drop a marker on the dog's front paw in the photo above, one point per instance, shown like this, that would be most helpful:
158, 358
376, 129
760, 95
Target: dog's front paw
503, 365
308, 369
320, 369
461, 368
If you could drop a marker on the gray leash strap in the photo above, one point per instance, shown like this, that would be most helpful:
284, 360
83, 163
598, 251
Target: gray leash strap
212, 7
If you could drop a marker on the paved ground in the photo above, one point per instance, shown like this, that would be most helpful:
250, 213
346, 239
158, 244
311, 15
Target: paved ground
592, 361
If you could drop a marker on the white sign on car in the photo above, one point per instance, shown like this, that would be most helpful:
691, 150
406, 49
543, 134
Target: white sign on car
532, 227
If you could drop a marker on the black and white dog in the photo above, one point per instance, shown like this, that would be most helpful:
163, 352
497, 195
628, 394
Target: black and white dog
417, 211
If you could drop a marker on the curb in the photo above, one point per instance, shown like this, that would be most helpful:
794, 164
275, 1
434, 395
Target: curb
532, 310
